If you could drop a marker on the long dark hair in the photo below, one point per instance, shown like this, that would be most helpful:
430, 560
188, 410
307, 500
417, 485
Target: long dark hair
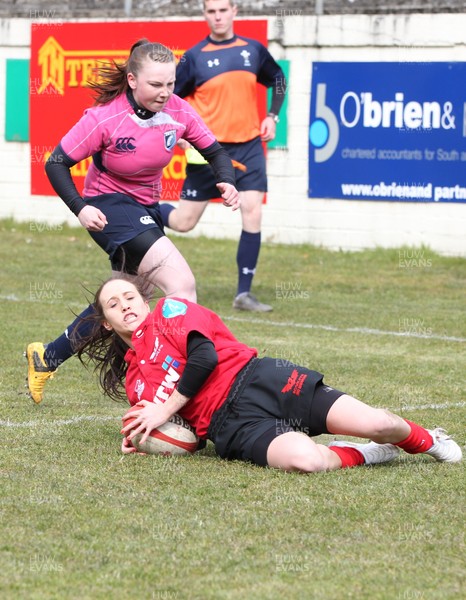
104, 349
111, 80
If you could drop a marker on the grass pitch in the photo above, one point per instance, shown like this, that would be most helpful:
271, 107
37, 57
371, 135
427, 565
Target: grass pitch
79, 521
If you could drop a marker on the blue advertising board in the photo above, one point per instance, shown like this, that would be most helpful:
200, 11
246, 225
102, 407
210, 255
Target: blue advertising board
388, 131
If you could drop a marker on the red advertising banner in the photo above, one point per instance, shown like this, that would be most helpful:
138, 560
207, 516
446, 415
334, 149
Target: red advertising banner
64, 58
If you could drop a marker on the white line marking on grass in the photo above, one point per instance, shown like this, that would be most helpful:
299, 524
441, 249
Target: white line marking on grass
59, 422
367, 330
13, 298
431, 406
74, 420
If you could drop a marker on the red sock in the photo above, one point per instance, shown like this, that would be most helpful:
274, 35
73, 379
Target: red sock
419, 440
350, 457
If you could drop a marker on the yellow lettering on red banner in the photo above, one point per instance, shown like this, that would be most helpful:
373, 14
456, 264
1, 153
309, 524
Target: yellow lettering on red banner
80, 65
176, 168
81, 168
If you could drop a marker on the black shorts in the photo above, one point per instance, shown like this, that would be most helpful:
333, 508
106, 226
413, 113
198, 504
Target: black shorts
250, 173
127, 220
269, 397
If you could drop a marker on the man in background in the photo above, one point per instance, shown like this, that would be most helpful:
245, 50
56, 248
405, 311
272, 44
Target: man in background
218, 76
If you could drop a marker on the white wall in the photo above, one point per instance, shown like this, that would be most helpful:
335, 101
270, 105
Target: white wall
290, 216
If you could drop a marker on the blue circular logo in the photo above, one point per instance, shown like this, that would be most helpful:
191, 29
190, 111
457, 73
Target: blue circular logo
318, 133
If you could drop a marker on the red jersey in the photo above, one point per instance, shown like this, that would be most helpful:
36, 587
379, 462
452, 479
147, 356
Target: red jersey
160, 353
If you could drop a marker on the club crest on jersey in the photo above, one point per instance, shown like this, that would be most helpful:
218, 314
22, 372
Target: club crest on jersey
170, 139
245, 54
173, 308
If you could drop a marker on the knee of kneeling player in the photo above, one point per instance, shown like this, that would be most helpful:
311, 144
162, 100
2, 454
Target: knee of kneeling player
384, 424
312, 462
304, 461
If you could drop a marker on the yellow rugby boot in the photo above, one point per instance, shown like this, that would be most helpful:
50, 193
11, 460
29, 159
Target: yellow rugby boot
38, 371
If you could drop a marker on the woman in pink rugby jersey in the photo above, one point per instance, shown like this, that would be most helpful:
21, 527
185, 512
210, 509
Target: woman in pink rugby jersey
131, 133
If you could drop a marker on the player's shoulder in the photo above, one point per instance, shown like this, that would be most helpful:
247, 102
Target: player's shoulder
176, 104
194, 50
247, 39
170, 308
173, 307
251, 42
113, 107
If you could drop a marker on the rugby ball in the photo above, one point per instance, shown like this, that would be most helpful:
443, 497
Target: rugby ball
175, 437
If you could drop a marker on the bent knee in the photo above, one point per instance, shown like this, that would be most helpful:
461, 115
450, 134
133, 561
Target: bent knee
186, 290
307, 462
293, 451
384, 423
184, 226
184, 219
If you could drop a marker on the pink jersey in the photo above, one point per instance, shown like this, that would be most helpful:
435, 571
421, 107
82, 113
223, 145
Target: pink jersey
159, 358
130, 153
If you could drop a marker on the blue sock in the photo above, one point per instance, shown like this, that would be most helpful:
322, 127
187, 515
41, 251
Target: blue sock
165, 210
246, 259
61, 349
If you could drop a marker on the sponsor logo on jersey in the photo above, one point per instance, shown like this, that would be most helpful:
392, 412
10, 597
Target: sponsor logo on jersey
125, 144
170, 365
147, 220
169, 138
173, 308
213, 63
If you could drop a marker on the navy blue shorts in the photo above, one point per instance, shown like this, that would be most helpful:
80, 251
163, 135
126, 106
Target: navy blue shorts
251, 175
127, 219
269, 397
